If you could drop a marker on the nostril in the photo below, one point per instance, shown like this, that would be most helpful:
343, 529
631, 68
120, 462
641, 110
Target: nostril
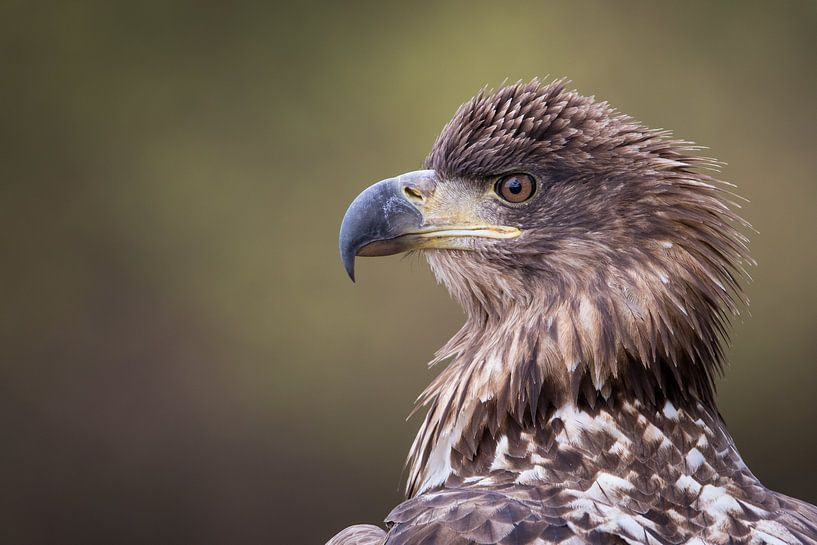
413, 193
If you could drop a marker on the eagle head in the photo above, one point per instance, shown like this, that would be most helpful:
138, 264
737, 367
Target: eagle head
590, 253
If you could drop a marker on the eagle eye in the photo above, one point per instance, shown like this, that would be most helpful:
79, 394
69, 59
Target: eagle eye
516, 188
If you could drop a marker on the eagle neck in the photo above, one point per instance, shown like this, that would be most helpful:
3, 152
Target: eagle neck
515, 367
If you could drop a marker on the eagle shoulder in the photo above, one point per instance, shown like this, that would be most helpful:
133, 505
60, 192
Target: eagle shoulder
452, 516
525, 515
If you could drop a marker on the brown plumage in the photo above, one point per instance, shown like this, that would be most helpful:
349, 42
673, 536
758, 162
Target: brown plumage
578, 405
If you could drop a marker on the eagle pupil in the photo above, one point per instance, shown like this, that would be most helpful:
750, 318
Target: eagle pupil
514, 186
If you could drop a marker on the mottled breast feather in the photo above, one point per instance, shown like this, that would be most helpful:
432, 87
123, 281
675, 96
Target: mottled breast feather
606, 476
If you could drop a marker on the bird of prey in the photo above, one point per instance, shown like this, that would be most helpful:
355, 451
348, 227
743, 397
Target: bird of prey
599, 263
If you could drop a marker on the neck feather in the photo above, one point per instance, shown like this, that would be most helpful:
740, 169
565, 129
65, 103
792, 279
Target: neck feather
646, 337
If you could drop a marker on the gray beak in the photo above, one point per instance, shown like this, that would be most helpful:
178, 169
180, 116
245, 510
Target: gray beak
384, 212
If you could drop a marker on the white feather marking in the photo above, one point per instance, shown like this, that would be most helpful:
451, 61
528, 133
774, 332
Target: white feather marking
670, 411
653, 434
686, 483
577, 421
538, 460
620, 448
631, 526
694, 460
439, 461
584, 505
718, 503
774, 533
768, 538
607, 488
586, 311
494, 364
759, 511
537, 475
499, 455
613, 482
574, 420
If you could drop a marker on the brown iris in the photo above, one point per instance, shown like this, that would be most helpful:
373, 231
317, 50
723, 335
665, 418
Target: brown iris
516, 188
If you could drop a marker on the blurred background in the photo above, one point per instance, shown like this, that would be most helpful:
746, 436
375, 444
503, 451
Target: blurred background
183, 357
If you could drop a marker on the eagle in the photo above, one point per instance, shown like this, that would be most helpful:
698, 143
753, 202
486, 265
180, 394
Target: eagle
599, 264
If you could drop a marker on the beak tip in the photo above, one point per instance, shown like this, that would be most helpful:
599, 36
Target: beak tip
347, 256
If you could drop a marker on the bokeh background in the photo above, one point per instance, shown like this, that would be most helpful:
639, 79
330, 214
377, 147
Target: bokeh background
183, 358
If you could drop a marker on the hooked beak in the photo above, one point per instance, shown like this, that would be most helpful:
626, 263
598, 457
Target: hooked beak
395, 216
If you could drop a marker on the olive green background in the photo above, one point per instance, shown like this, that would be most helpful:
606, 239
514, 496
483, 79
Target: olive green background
183, 358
